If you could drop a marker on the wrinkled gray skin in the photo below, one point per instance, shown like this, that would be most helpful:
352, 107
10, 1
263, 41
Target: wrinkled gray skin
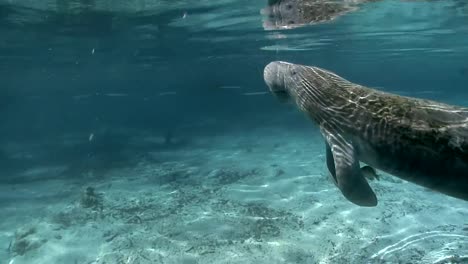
288, 14
421, 141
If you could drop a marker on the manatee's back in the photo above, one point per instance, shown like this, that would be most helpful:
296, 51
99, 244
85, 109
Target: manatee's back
420, 141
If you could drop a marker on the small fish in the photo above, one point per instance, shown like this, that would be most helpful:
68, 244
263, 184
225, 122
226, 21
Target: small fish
230, 87
167, 93
116, 94
255, 93
81, 96
370, 173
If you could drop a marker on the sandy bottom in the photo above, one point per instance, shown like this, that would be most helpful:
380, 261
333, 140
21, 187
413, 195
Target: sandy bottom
226, 199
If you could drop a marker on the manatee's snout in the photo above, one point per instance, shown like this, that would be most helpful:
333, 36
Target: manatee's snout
274, 75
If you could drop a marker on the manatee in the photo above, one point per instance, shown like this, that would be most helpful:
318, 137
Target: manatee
420, 141
288, 14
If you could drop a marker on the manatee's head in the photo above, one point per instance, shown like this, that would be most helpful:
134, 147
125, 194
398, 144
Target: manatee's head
274, 76
288, 14
311, 88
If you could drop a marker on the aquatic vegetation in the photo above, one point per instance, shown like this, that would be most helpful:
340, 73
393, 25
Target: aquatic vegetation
225, 176
299, 257
91, 199
25, 240
268, 222
166, 173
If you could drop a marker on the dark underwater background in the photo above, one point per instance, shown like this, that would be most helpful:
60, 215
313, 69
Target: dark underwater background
96, 93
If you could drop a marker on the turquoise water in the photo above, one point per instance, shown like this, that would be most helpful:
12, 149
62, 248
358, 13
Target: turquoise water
143, 132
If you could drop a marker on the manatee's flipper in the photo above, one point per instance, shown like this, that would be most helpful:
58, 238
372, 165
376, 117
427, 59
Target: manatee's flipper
330, 163
370, 173
345, 170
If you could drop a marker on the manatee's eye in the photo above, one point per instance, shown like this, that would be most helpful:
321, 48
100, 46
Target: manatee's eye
291, 22
293, 72
289, 7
